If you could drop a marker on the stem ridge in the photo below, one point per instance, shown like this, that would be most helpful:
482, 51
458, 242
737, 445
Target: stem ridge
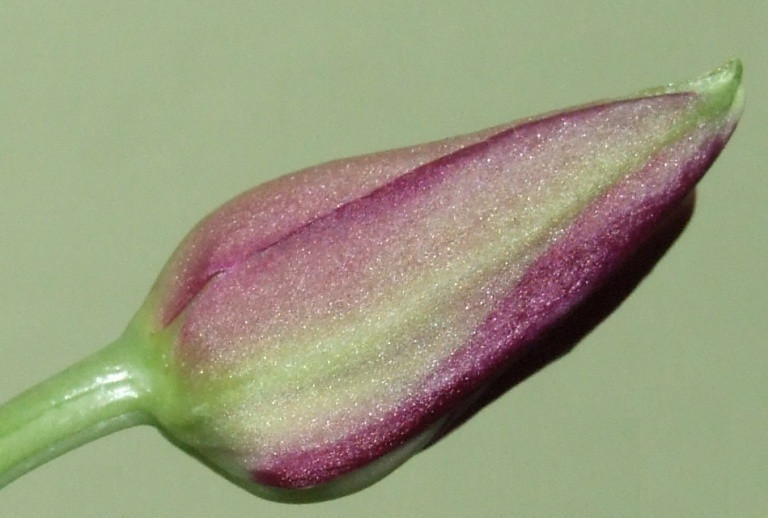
102, 394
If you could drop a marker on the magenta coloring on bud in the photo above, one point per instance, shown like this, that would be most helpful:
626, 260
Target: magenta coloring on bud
349, 307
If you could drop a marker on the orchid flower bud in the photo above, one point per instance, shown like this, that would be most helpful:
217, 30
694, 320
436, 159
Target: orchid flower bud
313, 333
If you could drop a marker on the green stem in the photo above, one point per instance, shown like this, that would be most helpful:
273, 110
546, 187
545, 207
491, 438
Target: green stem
95, 397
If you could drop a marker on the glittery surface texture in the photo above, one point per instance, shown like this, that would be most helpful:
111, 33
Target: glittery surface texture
324, 319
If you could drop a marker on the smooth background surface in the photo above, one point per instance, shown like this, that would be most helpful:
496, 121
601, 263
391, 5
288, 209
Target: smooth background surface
123, 123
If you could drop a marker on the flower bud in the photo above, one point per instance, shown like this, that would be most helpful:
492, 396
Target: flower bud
321, 326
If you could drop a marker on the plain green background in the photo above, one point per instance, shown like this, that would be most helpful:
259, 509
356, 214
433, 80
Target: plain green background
123, 123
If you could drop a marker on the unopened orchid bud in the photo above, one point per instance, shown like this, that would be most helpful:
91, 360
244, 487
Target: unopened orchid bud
311, 334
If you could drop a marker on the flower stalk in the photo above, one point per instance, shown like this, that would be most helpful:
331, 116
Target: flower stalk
99, 395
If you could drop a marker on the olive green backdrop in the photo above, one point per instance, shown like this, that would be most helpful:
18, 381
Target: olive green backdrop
123, 123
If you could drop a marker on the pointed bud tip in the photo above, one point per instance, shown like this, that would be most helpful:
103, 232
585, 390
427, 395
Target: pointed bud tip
726, 75
720, 89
